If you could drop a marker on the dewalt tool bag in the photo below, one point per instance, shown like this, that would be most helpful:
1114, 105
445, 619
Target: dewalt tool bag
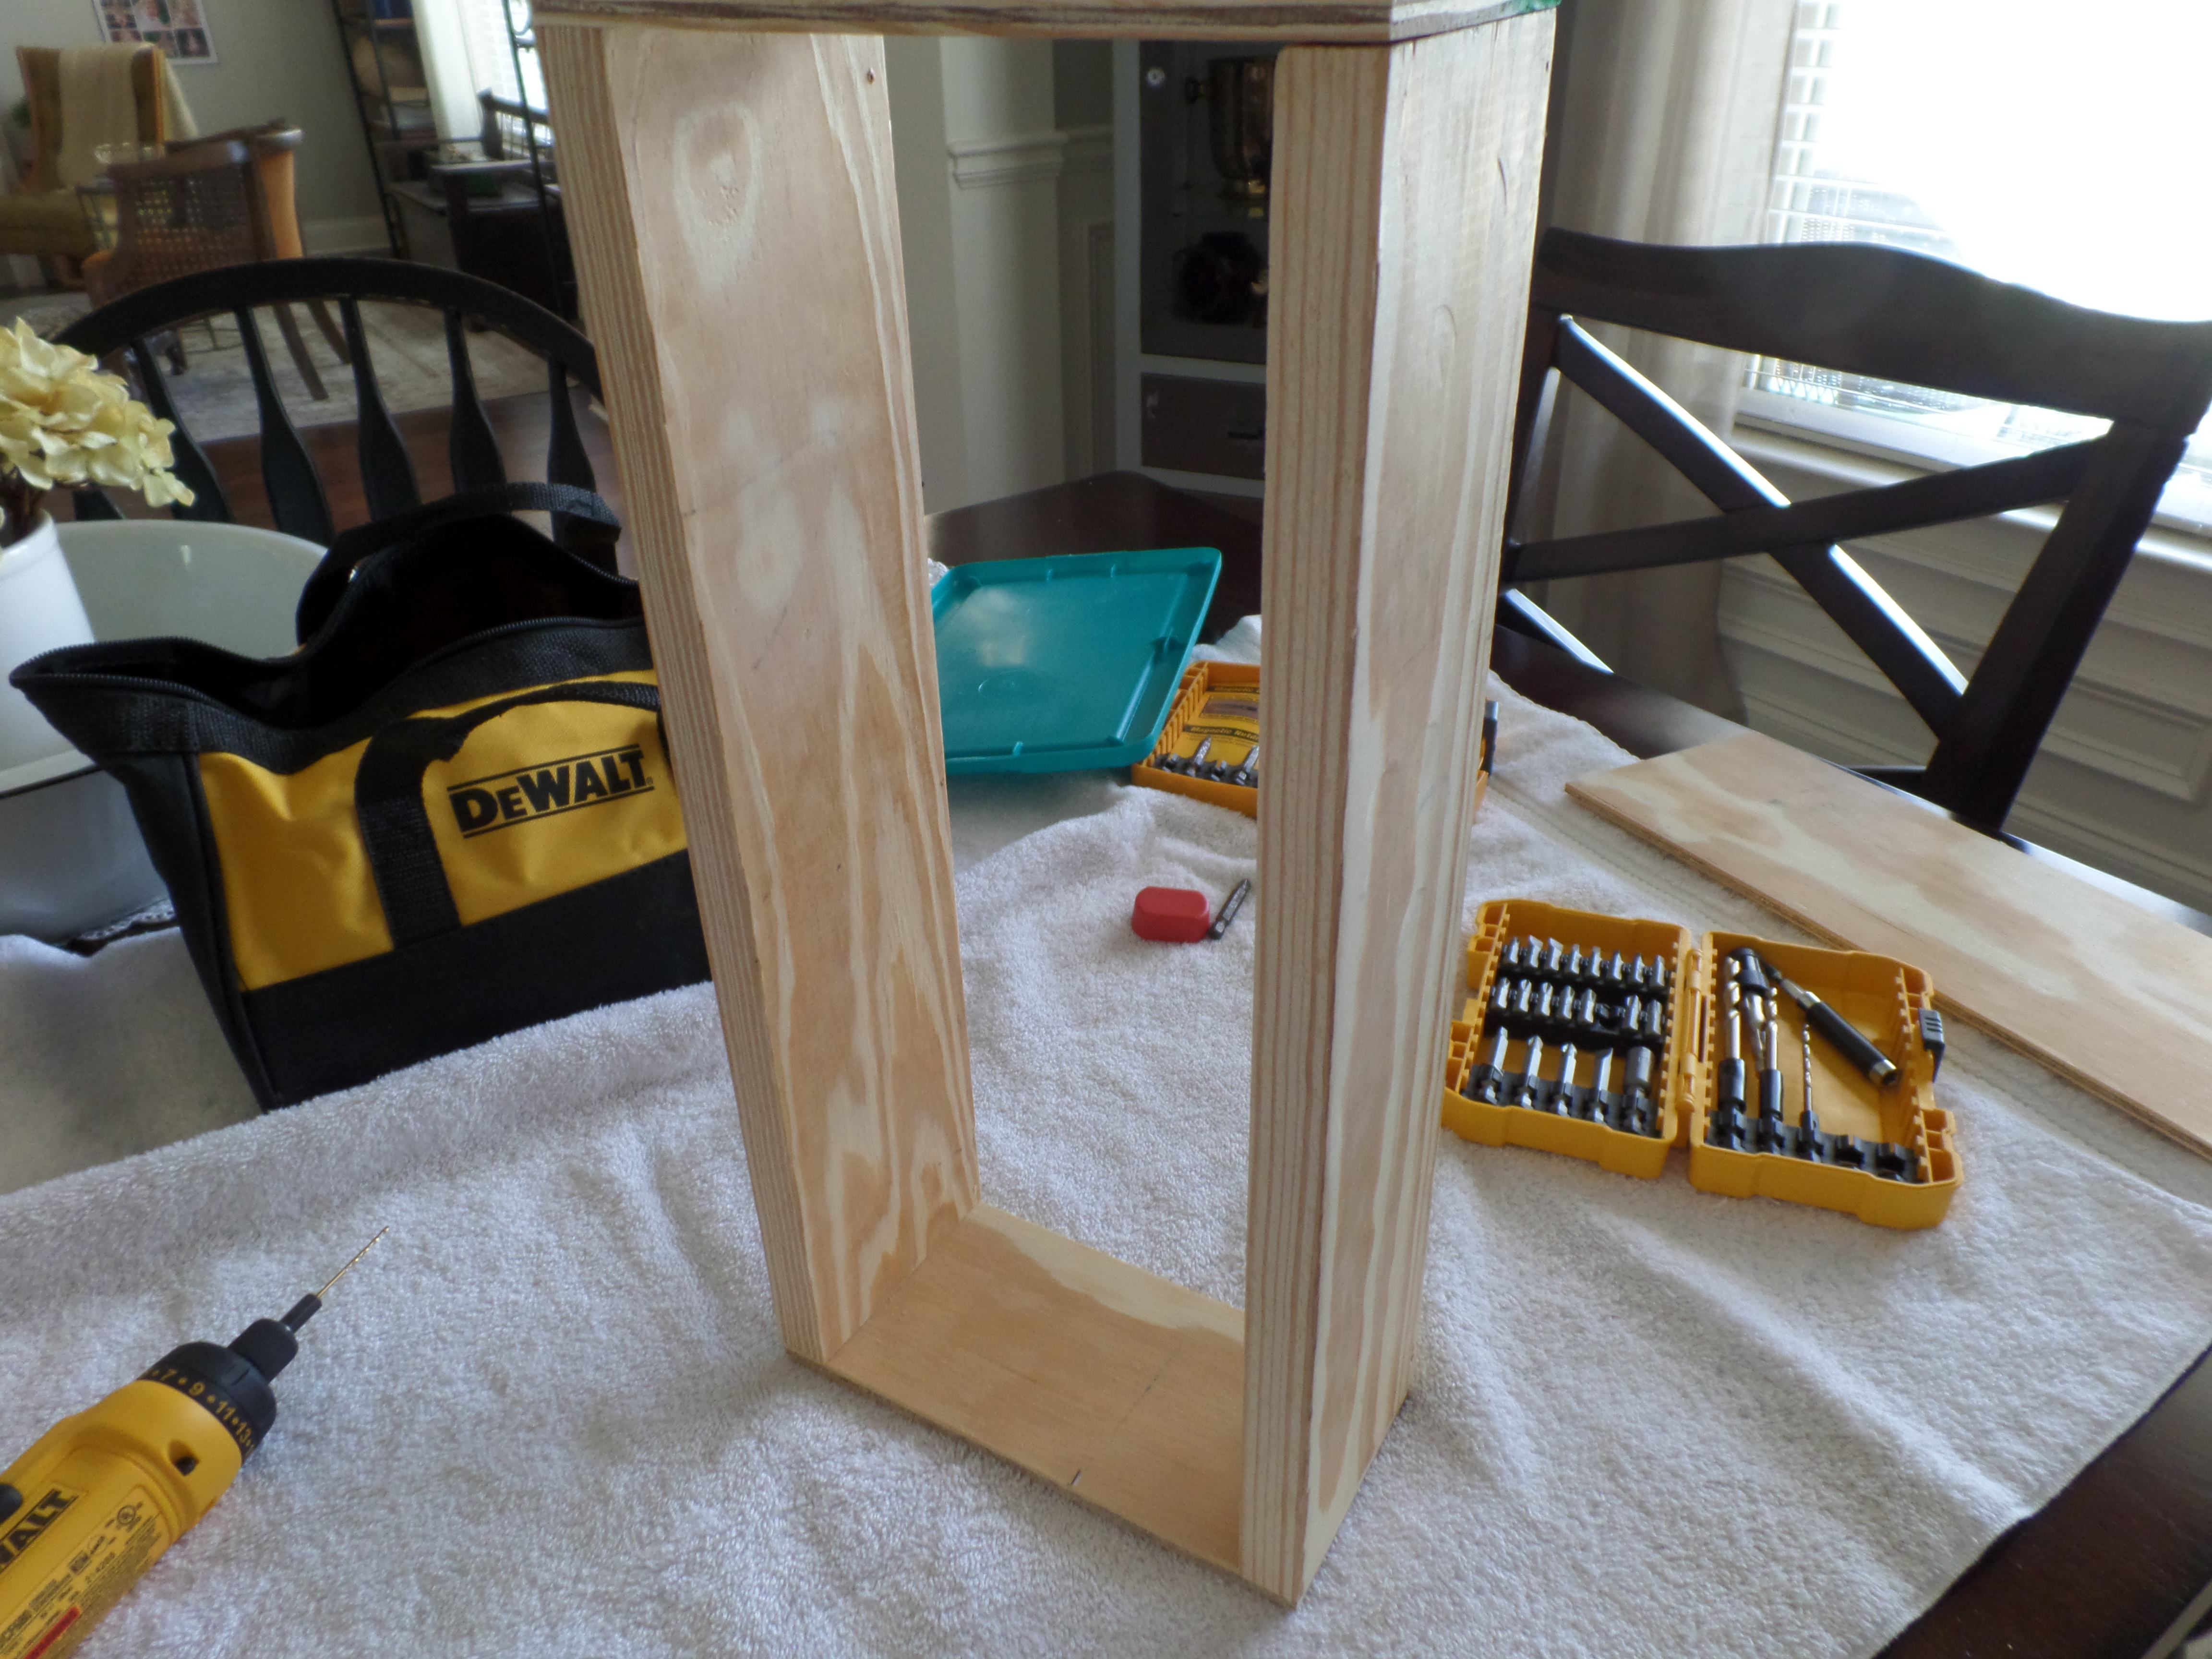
448, 815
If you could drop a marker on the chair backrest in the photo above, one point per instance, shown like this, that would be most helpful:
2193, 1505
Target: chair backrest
510, 130
42, 68
274, 145
298, 502
1888, 315
197, 208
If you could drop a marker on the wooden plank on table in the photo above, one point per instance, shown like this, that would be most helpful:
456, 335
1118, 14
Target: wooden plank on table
737, 239
1113, 1385
2111, 996
1405, 197
1309, 20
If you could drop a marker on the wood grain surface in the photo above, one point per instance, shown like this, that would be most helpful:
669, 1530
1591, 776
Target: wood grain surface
1406, 183
1311, 21
1116, 1387
2111, 996
736, 238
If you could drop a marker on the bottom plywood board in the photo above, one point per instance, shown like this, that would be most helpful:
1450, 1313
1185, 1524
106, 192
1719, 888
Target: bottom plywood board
1115, 1386
2111, 996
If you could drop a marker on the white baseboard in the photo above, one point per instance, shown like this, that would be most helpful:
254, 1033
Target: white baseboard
362, 235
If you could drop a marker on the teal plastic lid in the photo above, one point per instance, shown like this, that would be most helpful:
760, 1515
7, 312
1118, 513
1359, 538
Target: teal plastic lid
1056, 664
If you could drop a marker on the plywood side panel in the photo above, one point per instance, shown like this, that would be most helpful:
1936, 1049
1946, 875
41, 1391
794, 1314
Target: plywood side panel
737, 240
1116, 1387
1406, 192
2111, 996
1309, 21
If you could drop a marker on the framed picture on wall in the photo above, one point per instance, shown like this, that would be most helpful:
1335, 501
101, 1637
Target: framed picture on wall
179, 27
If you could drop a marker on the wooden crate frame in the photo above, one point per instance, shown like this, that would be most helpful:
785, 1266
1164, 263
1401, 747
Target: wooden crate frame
727, 167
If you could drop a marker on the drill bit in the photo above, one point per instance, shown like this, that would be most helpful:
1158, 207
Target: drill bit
1532, 1071
1840, 1031
1638, 1115
1725, 1126
1562, 1104
309, 1305
1809, 1122
1492, 1072
1770, 1136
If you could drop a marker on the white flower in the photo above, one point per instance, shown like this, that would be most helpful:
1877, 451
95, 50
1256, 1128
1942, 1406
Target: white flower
64, 423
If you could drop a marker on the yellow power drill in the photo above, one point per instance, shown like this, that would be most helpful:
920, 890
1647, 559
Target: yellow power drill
101, 1495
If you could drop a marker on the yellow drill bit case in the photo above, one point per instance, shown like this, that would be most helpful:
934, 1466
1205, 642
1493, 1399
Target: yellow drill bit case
1217, 703
1882, 998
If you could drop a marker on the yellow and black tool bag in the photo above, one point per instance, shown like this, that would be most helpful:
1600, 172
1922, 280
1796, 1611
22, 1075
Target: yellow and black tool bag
448, 815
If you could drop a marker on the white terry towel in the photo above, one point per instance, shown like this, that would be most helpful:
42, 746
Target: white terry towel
550, 1414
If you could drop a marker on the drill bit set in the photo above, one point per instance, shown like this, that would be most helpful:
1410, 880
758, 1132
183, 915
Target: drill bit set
1210, 746
1575, 1036
1551, 1005
1751, 1024
1782, 1070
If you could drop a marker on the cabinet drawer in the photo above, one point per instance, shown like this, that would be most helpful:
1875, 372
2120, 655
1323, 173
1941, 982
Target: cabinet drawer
1205, 426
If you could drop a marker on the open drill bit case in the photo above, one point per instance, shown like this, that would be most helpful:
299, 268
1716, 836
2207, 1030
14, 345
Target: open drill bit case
1218, 704
1884, 1155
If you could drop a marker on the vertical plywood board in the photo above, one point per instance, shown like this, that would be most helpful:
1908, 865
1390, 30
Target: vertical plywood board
737, 240
2108, 995
1406, 183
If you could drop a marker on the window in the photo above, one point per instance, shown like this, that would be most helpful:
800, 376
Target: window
2042, 143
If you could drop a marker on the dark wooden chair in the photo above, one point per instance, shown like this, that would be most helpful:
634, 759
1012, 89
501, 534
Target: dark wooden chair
503, 214
1888, 315
298, 502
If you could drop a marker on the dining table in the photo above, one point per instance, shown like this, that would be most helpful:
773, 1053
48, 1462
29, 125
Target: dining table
2118, 1565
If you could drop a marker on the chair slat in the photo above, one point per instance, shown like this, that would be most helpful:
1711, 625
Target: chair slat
473, 450
1891, 315
565, 459
388, 476
90, 505
1974, 492
296, 500
1983, 757
190, 461
1897, 645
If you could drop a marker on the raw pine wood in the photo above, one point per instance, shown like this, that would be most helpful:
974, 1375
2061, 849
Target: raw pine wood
1344, 21
737, 244
1116, 1387
1406, 187
2116, 999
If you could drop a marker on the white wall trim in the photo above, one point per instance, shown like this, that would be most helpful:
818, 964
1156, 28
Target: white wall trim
1011, 159
1089, 148
365, 234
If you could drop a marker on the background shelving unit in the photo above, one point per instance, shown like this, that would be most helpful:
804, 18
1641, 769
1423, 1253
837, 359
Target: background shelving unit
384, 58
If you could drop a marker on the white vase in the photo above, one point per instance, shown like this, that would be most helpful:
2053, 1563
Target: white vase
39, 610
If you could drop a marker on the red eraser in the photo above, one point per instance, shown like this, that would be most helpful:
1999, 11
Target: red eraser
1173, 915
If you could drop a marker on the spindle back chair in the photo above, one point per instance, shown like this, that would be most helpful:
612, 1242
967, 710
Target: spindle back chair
298, 502
1891, 316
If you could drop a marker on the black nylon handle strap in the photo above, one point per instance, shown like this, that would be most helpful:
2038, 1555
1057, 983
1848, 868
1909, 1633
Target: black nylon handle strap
573, 507
395, 826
